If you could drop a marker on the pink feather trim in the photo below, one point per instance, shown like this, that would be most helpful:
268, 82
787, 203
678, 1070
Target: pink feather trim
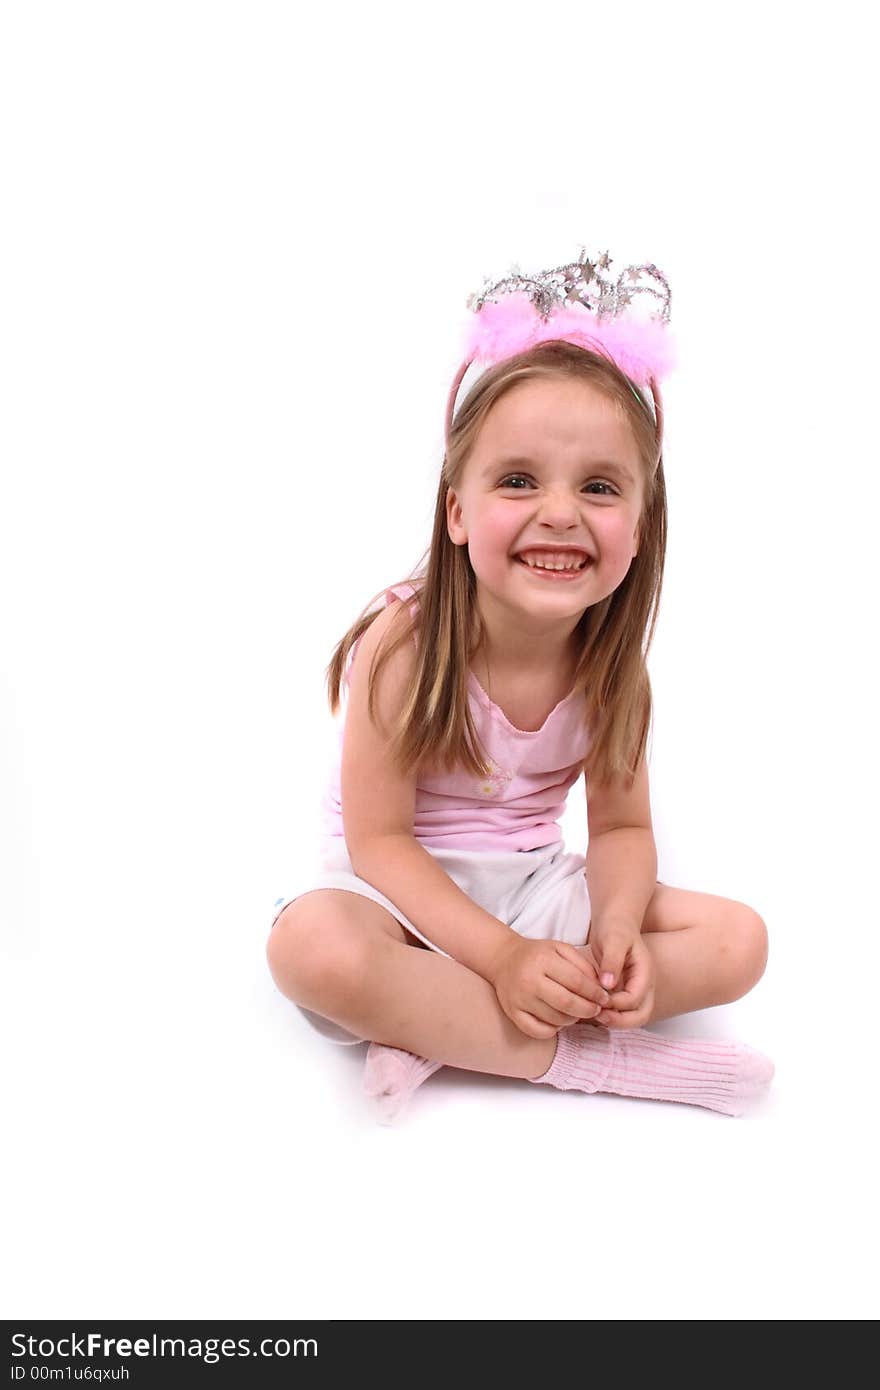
641, 348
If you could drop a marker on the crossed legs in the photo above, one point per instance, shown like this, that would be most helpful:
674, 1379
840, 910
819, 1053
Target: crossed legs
349, 959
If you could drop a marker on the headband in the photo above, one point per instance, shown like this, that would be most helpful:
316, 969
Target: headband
575, 304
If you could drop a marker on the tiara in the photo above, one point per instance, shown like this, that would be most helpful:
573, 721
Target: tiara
578, 304
581, 282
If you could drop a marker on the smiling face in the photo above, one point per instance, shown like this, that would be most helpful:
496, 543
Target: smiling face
555, 463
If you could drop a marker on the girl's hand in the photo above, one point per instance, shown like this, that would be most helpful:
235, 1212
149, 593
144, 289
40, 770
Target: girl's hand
543, 986
632, 1004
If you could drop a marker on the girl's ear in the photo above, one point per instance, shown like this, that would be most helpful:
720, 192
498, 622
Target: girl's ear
454, 522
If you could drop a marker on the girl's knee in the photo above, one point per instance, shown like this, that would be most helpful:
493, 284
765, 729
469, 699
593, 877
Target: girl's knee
748, 945
315, 954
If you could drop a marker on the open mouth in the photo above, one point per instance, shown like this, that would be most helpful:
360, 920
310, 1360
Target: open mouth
560, 575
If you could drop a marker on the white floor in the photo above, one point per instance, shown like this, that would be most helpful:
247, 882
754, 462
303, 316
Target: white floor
179, 1143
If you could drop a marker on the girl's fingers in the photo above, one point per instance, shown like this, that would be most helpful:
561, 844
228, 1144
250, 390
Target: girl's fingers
628, 1018
572, 1004
624, 999
625, 1003
568, 971
638, 982
531, 1026
558, 1017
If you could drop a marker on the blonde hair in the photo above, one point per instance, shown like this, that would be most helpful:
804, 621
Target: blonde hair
435, 727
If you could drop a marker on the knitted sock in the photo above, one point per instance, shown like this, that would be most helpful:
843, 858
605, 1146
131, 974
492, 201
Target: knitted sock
722, 1076
390, 1077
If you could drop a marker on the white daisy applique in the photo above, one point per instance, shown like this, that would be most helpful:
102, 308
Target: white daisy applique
497, 782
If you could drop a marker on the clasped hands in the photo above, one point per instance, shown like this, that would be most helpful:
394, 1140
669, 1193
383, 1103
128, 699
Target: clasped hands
544, 986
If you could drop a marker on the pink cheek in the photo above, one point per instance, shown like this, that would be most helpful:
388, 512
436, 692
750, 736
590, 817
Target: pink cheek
492, 550
494, 565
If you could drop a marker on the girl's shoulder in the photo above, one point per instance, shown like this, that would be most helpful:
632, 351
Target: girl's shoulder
386, 620
406, 589
373, 641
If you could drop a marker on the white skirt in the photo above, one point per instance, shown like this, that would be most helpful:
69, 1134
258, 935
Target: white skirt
540, 893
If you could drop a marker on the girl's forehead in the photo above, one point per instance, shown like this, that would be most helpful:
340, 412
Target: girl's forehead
538, 413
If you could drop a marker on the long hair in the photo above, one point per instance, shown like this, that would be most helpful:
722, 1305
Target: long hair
435, 727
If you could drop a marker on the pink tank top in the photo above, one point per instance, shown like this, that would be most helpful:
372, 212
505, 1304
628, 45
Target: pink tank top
518, 806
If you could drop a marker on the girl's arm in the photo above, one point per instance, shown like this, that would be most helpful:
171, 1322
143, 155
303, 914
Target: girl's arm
621, 876
406, 873
621, 867
378, 810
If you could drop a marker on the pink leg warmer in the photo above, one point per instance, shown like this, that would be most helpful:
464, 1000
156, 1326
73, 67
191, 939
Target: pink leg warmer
723, 1076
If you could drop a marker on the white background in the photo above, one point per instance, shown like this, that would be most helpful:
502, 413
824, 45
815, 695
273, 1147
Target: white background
237, 243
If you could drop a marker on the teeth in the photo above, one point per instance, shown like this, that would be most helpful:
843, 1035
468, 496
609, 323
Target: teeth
555, 562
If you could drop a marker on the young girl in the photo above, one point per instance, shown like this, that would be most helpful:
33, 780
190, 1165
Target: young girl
449, 925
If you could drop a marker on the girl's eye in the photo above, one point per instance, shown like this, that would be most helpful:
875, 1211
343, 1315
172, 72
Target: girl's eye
507, 482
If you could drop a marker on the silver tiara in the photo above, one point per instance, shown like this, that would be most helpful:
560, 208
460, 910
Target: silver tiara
580, 282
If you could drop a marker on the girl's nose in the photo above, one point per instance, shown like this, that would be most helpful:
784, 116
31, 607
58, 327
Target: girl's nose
559, 508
